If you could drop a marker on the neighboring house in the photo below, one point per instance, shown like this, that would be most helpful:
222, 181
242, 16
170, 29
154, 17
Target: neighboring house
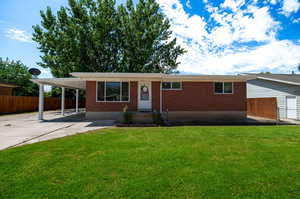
7, 88
178, 97
285, 87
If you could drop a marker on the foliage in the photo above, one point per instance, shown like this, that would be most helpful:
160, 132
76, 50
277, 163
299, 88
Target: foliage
157, 118
162, 162
127, 117
98, 36
17, 73
69, 93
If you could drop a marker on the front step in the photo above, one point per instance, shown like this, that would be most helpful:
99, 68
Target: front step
145, 110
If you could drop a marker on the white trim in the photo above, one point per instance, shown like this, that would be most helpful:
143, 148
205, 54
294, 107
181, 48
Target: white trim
172, 89
159, 76
105, 101
281, 81
223, 89
286, 106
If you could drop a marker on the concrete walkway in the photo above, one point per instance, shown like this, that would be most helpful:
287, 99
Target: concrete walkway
19, 129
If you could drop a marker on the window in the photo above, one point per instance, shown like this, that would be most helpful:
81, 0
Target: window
223, 87
228, 87
113, 91
171, 85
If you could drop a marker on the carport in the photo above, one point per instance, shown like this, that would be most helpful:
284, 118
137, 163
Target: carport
63, 83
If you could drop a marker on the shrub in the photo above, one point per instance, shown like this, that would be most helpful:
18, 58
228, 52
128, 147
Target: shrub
157, 118
127, 116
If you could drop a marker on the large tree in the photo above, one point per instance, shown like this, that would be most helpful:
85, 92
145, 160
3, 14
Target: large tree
16, 72
98, 36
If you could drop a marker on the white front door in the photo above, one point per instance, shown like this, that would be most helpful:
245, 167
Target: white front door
144, 95
291, 107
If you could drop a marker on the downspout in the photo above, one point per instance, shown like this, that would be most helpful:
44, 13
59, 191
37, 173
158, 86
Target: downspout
161, 108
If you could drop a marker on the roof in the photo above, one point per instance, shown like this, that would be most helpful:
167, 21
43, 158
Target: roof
80, 78
8, 85
75, 83
293, 79
157, 76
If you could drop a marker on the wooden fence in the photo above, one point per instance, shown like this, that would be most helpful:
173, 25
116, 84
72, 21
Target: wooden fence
21, 104
262, 107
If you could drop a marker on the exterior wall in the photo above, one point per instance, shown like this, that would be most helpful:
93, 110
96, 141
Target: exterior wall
196, 101
156, 96
93, 106
200, 96
258, 88
6, 91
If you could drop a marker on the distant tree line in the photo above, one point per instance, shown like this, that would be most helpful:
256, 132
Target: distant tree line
17, 73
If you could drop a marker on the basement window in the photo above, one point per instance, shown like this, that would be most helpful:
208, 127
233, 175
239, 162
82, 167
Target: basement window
171, 86
112, 91
223, 87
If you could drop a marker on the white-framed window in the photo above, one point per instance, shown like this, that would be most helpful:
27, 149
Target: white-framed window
223, 87
112, 91
171, 85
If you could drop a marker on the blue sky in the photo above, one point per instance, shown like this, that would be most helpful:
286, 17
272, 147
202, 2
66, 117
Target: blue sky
221, 37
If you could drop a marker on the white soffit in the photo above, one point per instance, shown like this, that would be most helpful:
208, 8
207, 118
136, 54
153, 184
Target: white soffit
74, 83
157, 76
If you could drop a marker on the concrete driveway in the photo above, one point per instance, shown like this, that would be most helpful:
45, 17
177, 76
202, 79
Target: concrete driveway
19, 129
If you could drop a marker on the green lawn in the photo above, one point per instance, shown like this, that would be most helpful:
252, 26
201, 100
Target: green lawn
175, 162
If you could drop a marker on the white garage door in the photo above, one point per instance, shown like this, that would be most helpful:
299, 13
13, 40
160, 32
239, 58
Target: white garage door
291, 107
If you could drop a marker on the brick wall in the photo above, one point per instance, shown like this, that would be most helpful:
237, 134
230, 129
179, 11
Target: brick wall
195, 96
156, 96
93, 106
200, 96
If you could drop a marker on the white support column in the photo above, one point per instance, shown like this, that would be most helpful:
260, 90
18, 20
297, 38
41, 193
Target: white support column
77, 96
62, 100
41, 102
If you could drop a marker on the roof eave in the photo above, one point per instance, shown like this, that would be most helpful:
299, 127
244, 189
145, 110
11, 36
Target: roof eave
277, 80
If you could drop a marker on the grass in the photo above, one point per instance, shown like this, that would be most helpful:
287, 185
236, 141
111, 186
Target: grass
174, 162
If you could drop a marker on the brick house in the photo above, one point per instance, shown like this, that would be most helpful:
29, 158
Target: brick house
177, 97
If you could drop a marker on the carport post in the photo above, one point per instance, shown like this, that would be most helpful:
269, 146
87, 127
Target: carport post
41, 101
62, 100
77, 96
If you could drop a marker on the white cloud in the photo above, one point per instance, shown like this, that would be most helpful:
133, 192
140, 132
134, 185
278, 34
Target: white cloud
188, 4
214, 50
297, 20
273, 1
276, 55
19, 35
233, 4
289, 7
252, 24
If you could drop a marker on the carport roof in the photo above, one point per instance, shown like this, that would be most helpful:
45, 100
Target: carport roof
75, 83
